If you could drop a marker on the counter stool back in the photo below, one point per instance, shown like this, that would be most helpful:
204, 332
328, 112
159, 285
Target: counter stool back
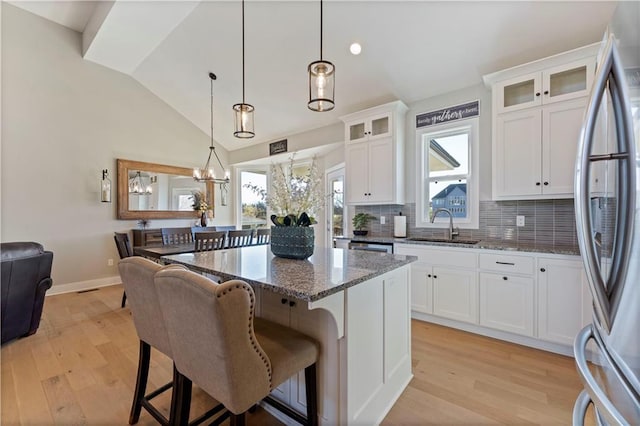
137, 276
234, 357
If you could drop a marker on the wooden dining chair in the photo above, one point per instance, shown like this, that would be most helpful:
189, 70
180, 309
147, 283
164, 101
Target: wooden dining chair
213, 240
240, 238
263, 236
231, 355
196, 229
124, 250
176, 235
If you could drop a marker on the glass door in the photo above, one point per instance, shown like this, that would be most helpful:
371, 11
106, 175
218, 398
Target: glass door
336, 217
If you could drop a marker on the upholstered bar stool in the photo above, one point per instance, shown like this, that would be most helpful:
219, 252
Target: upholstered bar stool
219, 345
137, 277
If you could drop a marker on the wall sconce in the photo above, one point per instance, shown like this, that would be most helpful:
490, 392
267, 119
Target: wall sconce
105, 187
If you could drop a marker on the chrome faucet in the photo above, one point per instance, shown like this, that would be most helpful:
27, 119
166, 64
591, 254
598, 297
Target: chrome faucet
452, 232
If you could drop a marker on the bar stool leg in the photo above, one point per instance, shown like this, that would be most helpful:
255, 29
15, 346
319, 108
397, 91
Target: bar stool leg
312, 394
141, 382
181, 400
238, 419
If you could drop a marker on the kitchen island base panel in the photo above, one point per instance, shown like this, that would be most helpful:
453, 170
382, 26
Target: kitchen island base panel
362, 373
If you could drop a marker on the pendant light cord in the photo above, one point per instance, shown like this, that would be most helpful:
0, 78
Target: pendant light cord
212, 77
243, 51
321, 30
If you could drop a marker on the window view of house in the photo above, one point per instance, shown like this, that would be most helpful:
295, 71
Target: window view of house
448, 170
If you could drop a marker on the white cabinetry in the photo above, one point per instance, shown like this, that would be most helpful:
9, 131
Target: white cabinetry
555, 84
537, 115
535, 299
443, 282
563, 299
507, 290
374, 155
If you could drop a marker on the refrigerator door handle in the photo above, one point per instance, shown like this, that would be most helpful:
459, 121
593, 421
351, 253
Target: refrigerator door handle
595, 394
606, 297
580, 408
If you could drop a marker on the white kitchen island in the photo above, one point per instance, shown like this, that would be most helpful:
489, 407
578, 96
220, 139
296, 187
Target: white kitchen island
355, 303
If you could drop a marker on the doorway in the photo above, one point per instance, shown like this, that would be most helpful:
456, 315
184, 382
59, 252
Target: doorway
336, 224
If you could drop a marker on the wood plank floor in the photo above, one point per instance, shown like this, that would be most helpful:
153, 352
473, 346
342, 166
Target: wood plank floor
80, 368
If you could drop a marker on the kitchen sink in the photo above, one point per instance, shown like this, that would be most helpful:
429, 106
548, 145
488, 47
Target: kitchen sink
443, 240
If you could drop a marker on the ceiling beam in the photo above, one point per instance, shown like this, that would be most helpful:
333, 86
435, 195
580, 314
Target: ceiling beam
121, 34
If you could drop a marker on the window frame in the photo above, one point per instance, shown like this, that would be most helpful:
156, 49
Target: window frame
471, 127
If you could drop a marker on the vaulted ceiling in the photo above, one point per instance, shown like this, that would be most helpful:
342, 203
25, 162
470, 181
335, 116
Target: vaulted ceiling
411, 50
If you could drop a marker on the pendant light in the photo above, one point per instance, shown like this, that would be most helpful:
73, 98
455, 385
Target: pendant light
243, 112
321, 81
207, 174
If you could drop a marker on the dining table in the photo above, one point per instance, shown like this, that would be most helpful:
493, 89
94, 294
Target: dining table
156, 252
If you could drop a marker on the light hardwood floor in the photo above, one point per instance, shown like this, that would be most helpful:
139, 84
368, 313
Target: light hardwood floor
80, 368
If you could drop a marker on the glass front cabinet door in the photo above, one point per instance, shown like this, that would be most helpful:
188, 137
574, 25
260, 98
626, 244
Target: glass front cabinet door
557, 84
371, 128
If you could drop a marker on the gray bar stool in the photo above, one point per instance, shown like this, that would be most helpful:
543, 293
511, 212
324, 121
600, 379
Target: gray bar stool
137, 275
219, 345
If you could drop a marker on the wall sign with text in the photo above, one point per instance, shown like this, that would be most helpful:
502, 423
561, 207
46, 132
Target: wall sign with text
453, 113
278, 147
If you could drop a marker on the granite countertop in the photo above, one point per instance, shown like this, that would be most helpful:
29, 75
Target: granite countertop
328, 271
487, 245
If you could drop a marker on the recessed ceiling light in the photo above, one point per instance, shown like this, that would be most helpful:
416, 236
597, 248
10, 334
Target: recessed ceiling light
355, 48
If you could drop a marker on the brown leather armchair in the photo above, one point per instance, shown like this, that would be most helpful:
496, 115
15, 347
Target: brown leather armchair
25, 269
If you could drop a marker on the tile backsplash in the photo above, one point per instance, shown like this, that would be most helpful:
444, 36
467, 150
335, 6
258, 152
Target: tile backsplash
547, 222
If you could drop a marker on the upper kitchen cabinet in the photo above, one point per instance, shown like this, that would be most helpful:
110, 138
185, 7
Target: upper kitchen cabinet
374, 155
537, 115
556, 84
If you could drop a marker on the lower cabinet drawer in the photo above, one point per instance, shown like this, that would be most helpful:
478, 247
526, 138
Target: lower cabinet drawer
506, 263
507, 303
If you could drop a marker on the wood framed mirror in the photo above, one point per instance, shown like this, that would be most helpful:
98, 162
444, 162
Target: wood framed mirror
158, 191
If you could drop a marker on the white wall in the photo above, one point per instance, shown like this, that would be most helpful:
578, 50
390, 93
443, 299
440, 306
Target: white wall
65, 119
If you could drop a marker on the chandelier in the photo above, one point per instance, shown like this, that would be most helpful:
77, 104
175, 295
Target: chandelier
207, 174
137, 186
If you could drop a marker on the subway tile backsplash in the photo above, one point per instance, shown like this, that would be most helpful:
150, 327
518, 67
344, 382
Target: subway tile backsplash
547, 222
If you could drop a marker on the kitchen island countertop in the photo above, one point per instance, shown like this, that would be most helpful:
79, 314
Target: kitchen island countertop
327, 272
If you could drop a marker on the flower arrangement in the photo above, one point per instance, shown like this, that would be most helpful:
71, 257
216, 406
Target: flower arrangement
199, 202
293, 198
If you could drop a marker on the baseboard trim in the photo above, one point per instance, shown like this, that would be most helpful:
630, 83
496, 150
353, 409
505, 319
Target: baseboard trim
83, 285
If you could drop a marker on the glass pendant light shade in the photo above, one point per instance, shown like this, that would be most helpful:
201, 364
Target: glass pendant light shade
243, 121
322, 75
321, 86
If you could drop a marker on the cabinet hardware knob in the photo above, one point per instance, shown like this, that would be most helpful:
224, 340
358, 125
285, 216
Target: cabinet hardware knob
546, 183
505, 278
283, 301
537, 93
292, 303
428, 275
537, 183
542, 270
435, 276
546, 92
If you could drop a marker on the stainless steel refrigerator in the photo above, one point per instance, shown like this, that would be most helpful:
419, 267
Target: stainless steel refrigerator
607, 205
